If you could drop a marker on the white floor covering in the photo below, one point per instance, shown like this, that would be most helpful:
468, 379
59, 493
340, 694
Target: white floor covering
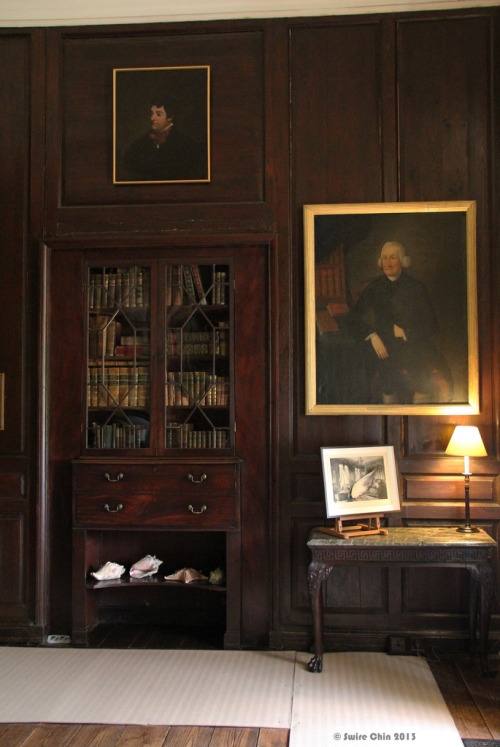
369, 698
358, 697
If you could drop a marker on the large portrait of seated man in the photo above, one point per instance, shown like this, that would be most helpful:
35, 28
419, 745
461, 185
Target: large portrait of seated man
391, 308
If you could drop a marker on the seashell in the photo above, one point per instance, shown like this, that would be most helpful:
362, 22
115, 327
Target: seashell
216, 577
109, 571
146, 566
187, 575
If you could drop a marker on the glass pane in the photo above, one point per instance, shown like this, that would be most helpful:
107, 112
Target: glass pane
197, 380
118, 357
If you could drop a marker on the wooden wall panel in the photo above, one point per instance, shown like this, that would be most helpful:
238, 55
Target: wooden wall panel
323, 110
13, 605
423, 109
22, 115
337, 103
443, 84
82, 196
14, 175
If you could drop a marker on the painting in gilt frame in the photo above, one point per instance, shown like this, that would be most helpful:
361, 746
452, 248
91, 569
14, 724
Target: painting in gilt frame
161, 125
360, 480
391, 308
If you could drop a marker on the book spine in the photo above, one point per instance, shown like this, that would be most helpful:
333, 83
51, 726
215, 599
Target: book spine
195, 271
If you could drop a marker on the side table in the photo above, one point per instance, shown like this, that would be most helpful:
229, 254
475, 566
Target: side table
407, 546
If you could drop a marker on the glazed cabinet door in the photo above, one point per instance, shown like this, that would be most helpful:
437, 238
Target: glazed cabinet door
118, 400
159, 357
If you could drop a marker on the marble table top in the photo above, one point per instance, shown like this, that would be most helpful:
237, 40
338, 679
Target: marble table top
406, 537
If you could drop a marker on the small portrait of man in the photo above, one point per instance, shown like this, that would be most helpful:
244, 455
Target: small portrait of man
161, 119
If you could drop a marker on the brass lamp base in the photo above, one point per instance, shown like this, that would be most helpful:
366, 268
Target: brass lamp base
468, 529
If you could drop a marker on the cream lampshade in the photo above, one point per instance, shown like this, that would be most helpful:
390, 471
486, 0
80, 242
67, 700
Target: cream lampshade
466, 441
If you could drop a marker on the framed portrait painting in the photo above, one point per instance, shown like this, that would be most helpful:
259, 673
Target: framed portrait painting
161, 125
391, 308
360, 480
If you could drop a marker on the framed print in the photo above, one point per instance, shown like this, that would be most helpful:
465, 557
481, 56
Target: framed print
2, 400
161, 125
360, 481
391, 308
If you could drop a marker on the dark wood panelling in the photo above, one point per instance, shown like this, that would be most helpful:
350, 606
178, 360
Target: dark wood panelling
443, 85
337, 155
395, 135
13, 604
14, 177
324, 110
82, 196
335, 78
21, 135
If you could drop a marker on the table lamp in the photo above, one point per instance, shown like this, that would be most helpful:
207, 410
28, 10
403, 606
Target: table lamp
466, 441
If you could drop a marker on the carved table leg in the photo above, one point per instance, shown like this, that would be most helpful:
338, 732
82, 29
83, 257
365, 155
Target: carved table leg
473, 609
316, 574
482, 576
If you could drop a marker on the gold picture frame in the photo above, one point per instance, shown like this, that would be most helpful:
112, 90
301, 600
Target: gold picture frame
161, 125
431, 365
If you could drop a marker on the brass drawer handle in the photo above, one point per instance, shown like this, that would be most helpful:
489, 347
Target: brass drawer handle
202, 509
203, 477
113, 510
118, 477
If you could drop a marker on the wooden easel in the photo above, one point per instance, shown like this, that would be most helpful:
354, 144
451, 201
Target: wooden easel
355, 526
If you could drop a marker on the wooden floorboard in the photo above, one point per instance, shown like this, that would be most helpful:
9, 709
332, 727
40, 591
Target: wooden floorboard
98, 735
466, 715
472, 699
485, 693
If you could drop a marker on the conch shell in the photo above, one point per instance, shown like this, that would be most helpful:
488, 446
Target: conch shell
187, 575
109, 571
146, 566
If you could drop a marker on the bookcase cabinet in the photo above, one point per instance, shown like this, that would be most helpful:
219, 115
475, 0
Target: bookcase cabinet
157, 452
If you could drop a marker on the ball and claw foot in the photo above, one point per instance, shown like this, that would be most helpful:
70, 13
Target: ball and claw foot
316, 664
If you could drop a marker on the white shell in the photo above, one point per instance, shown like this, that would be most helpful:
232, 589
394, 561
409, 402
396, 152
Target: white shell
146, 566
109, 571
187, 575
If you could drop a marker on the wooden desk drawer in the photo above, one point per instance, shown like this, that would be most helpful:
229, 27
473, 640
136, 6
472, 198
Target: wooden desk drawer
140, 510
117, 479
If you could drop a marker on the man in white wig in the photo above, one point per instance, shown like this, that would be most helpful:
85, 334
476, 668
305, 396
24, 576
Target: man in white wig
395, 320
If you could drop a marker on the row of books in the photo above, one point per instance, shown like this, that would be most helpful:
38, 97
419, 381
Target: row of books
186, 437
184, 286
128, 287
117, 436
106, 338
179, 342
196, 387
128, 386
113, 385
